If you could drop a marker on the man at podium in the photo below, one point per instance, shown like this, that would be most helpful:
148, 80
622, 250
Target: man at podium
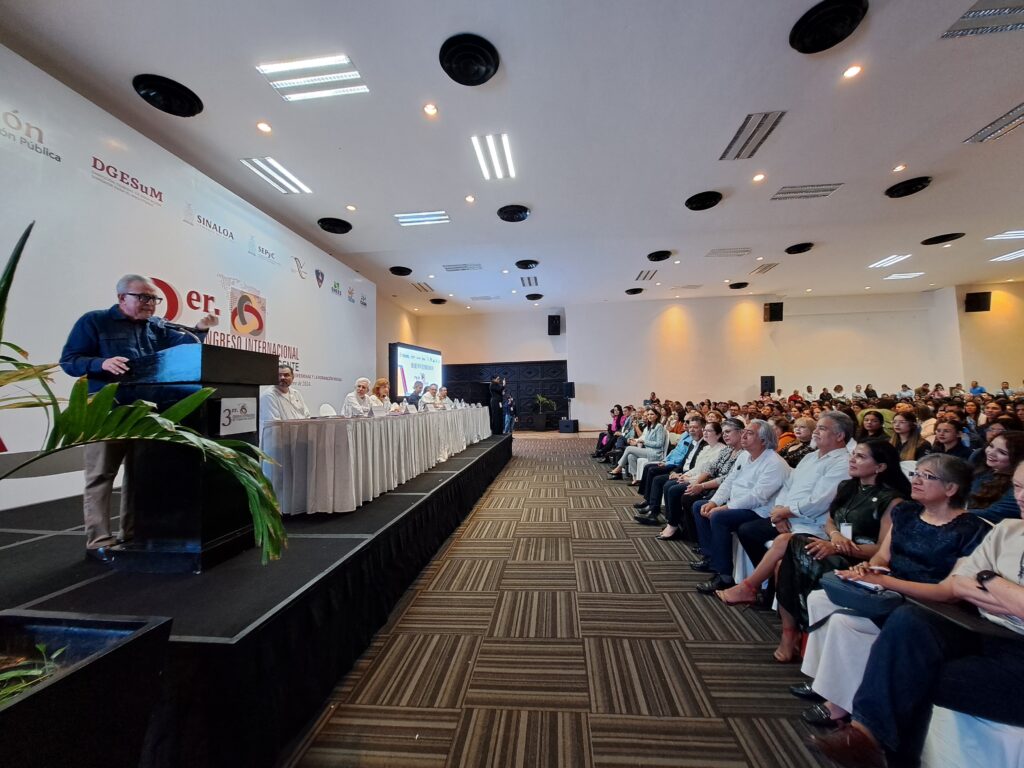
101, 346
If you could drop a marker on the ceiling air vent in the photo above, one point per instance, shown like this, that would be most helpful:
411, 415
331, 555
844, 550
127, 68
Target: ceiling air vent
764, 268
738, 286
799, 248
940, 239
658, 255
527, 264
805, 192
167, 95
826, 25
908, 187
999, 127
334, 226
687, 287
460, 267
534, 296
634, 291
646, 274
400, 271
423, 287
986, 17
484, 298
753, 131
726, 253
469, 59
513, 213
528, 282
439, 302
703, 200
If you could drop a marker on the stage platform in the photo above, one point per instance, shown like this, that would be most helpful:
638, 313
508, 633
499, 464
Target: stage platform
255, 650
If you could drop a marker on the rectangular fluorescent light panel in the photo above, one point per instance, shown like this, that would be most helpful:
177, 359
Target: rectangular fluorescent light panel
311, 75
276, 175
903, 275
422, 218
888, 261
751, 134
500, 165
1009, 256
986, 17
1012, 234
805, 191
999, 127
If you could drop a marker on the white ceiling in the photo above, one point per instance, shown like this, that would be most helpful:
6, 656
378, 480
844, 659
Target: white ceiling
617, 112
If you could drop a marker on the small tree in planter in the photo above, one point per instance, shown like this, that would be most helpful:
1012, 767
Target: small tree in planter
545, 407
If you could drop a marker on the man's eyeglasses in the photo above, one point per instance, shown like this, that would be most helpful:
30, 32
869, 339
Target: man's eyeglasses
925, 475
146, 298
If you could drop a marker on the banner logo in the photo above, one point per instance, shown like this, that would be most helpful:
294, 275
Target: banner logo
260, 252
248, 313
173, 304
123, 181
300, 268
320, 278
362, 299
25, 134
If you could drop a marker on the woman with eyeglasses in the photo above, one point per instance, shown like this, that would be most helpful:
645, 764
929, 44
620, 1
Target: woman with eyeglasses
927, 536
906, 437
992, 488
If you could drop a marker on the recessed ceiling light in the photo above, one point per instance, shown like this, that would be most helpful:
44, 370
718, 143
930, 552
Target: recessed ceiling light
808, 290
263, 126
931, 283
758, 177
536, 305
276, 175
504, 271
430, 277
677, 297
468, 307
470, 199
321, 70
290, 66
948, 245
888, 261
867, 287
495, 167
451, 295
415, 309
1010, 280
677, 261
1012, 234
657, 283
898, 168
430, 110
999, 127
421, 218
904, 276
759, 258
852, 71
513, 290
1009, 256
350, 207
725, 281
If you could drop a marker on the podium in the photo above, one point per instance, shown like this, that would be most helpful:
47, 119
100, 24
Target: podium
188, 513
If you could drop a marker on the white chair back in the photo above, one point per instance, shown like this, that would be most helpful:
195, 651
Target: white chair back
327, 409
907, 467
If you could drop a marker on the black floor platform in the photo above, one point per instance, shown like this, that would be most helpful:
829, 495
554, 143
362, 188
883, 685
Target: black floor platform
254, 649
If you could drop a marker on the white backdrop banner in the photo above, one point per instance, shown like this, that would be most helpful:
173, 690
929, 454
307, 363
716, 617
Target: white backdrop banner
108, 201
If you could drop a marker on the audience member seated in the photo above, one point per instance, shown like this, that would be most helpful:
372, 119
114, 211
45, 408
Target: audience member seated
281, 402
858, 519
380, 395
992, 486
655, 473
357, 403
921, 660
784, 436
650, 445
606, 440
907, 438
948, 439
803, 503
746, 495
702, 481
803, 431
927, 536
926, 422
858, 394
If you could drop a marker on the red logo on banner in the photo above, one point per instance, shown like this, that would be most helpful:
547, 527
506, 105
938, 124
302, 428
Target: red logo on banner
172, 306
248, 313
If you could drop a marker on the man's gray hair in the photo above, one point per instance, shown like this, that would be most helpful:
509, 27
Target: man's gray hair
126, 281
840, 423
766, 433
284, 366
362, 378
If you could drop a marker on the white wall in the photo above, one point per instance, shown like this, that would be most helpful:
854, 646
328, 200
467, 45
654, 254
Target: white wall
482, 338
993, 342
393, 324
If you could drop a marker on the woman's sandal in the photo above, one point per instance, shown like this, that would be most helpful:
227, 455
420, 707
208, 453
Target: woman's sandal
747, 596
793, 647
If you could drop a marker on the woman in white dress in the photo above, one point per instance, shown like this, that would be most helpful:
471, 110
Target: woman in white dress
380, 395
357, 403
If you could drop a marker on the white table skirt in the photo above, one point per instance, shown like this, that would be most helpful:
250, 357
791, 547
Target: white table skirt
335, 464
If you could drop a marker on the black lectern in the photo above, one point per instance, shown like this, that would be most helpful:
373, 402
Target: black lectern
190, 515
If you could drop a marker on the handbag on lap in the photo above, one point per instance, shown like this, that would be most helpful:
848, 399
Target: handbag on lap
855, 599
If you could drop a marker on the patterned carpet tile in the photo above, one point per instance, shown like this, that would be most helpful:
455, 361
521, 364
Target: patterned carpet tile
625, 616
463, 613
583, 484
530, 674
419, 671
704, 618
503, 501
343, 690
603, 549
546, 549
488, 529
479, 548
459, 575
517, 486
652, 550
538, 576
543, 529
670, 575
673, 742
605, 513
542, 514
510, 513
535, 614
384, 737
654, 678
612, 576
769, 743
744, 680
547, 493
597, 529
489, 738
589, 500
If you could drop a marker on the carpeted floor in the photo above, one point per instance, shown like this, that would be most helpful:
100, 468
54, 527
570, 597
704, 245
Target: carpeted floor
552, 630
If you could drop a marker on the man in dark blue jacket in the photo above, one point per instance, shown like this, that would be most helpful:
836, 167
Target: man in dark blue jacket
101, 346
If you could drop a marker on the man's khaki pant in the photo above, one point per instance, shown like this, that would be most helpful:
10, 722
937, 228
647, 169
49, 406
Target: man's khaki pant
102, 460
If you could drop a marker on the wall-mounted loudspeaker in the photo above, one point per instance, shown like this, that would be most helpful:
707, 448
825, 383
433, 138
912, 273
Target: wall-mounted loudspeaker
570, 390
978, 302
554, 325
767, 384
773, 312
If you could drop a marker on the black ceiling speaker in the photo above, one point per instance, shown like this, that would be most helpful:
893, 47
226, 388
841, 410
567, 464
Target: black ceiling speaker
528, 264
534, 296
167, 95
703, 200
658, 255
439, 301
334, 226
827, 24
400, 271
634, 291
513, 213
799, 248
469, 59
738, 286
908, 187
939, 239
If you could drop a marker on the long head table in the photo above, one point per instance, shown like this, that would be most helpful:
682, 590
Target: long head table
335, 464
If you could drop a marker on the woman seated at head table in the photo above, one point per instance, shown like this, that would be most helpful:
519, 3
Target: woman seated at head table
380, 395
357, 403
428, 401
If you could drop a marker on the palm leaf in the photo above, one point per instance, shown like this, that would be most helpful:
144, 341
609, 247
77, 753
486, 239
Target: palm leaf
8, 274
184, 407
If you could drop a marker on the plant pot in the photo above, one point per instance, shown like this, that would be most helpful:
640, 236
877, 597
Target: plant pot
95, 710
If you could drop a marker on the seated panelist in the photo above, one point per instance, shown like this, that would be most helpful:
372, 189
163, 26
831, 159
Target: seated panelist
428, 401
281, 402
443, 401
357, 403
380, 395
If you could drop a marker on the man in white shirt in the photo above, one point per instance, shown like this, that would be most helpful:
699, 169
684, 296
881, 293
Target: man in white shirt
745, 495
357, 403
281, 402
802, 504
